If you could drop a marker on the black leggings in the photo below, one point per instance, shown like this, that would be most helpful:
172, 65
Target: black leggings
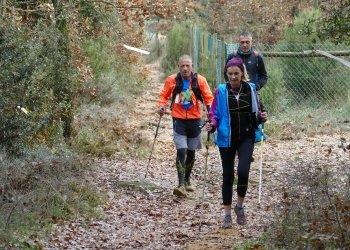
245, 149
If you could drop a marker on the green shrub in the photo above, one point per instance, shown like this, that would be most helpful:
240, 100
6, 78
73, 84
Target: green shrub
115, 80
106, 101
273, 95
34, 74
179, 42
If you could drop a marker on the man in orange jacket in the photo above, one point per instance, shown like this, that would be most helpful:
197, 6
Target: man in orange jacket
189, 91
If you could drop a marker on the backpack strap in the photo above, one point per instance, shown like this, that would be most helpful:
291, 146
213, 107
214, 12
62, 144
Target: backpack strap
195, 88
177, 90
179, 86
256, 55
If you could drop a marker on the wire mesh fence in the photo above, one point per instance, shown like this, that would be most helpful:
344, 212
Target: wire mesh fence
297, 78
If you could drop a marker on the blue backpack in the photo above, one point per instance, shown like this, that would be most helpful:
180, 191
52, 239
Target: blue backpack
259, 134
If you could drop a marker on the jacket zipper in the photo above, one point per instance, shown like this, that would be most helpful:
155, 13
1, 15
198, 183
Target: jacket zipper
239, 120
229, 120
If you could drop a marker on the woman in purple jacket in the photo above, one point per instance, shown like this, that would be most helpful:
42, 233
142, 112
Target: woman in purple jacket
235, 114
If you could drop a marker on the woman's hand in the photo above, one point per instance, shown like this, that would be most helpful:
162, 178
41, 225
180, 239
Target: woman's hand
209, 126
263, 116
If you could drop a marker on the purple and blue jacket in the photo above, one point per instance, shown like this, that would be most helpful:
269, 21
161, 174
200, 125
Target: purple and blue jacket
220, 115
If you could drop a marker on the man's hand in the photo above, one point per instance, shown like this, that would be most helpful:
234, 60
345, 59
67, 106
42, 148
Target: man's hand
161, 110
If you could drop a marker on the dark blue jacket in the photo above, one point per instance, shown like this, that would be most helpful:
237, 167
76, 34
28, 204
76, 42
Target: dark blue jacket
254, 64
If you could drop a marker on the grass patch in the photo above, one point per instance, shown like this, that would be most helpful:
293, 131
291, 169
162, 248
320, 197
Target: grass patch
42, 188
296, 123
141, 185
249, 245
102, 132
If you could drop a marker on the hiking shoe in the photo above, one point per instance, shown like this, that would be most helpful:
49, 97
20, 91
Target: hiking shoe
188, 187
227, 223
180, 191
241, 220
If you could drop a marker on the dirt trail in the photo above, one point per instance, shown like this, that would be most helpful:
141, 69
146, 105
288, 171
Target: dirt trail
143, 214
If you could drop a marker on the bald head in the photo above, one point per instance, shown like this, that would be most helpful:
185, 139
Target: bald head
185, 66
185, 57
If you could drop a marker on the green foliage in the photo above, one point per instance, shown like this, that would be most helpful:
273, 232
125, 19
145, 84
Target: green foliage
297, 83
115, 80
106, 99
89, 14
44, 69
207, 64
34, 74
179, 42
333, 24
295, 34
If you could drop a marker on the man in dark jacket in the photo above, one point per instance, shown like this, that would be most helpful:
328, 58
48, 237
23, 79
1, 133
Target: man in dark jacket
252, 59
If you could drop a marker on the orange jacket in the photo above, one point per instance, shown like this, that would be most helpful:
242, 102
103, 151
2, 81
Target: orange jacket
194, 112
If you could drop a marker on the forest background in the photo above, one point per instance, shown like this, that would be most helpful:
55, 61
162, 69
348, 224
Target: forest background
67, 83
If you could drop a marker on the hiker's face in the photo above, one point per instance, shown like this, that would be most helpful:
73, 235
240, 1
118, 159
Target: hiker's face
234, 75
245, 43
185, 67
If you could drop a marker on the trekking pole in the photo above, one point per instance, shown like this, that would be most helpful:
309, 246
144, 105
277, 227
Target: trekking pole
261, 160
217, 149
204, 180
155, 136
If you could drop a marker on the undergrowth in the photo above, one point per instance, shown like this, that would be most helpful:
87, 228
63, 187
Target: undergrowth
315, 210
101, 121
40, 188
296, 123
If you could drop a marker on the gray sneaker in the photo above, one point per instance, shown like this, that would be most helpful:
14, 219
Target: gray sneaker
188, 186
241, 220
227, 223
